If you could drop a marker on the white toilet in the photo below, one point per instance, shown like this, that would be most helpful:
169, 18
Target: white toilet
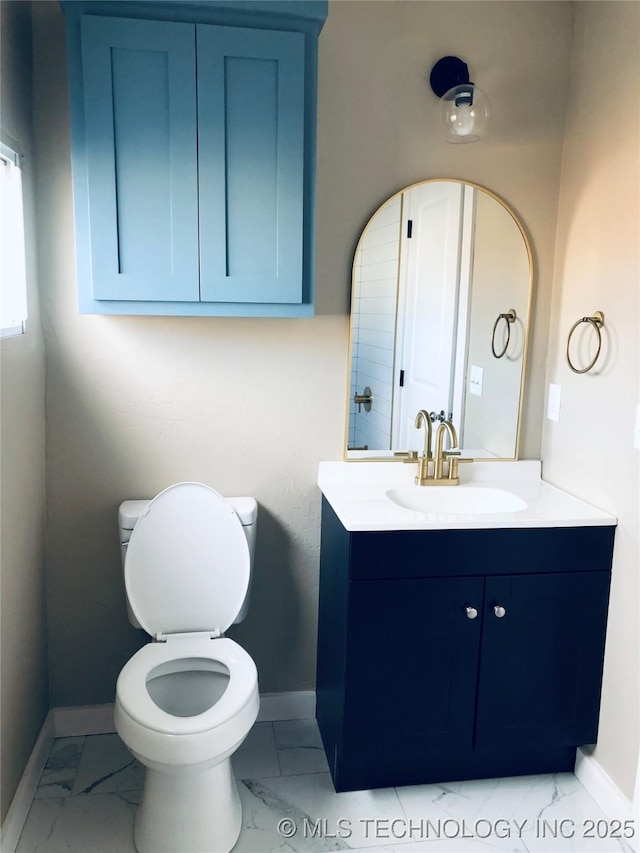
185, 702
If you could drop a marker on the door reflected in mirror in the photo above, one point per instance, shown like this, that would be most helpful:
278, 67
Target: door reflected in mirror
441, 295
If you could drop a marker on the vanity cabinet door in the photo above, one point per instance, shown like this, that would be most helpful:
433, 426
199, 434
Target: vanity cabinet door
541, 661
139, 85
411, 672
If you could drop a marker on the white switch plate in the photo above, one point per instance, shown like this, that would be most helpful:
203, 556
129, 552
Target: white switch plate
553, 402
476, 375
636, 432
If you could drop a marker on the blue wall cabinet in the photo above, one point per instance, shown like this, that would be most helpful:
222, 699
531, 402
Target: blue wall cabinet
193, 151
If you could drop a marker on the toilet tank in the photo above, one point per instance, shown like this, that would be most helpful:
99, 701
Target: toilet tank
245, 508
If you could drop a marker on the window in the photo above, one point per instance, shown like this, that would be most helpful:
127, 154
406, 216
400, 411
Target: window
13, 278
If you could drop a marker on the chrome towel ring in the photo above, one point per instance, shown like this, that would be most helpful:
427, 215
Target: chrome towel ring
509, 318
597, 321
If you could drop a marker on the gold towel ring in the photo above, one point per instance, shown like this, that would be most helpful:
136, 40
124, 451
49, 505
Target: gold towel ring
509, 317
597, 321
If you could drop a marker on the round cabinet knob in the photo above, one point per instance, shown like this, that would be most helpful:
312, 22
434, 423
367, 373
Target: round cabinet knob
471, 612
499, 611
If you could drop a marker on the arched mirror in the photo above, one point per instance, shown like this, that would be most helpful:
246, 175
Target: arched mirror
441, 296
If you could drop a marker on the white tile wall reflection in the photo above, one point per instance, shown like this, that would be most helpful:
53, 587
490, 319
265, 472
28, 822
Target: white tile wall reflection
91, 786
373, 323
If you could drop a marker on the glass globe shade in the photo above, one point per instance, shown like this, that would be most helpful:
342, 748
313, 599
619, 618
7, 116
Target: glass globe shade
465, 113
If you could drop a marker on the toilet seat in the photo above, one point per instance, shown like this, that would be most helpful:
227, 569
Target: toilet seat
187, 566
132, 693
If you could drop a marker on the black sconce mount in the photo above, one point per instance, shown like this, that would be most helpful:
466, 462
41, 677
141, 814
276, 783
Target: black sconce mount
447, 73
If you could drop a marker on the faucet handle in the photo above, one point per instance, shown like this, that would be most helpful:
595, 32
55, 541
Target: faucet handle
406, 455
454, 462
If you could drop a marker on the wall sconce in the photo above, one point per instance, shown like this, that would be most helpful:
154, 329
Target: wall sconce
464, 109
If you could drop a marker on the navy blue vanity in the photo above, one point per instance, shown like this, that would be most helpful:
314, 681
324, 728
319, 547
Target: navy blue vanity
447, 654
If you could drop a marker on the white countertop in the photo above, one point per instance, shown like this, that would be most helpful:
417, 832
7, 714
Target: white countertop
357, 494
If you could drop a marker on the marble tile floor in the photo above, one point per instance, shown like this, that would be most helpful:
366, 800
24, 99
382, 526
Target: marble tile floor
90, 787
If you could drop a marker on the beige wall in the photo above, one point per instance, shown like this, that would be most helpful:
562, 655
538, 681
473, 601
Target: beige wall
24, 647
252, 406
590, 451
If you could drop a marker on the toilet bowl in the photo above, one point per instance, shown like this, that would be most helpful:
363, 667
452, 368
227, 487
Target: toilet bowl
185, 702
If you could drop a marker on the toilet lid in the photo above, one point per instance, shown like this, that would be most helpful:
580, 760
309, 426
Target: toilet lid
187, 564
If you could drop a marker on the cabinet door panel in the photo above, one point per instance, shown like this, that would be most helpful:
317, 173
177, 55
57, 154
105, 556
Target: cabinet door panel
140, 111
251, 147
541, 663
412, 666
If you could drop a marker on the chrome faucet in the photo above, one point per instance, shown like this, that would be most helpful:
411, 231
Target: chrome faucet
423, 419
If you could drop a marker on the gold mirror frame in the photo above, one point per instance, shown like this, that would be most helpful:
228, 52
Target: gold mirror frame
391, 454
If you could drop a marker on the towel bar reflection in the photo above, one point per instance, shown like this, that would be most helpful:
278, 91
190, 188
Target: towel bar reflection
509, 318
597, 321
364, 399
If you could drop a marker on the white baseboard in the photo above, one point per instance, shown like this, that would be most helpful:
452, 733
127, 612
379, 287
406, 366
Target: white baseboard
605, 792
98, 719
21, 803
83, 720
299, 705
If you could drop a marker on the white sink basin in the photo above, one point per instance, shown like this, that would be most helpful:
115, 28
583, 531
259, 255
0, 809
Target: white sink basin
375, 496
456, 500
